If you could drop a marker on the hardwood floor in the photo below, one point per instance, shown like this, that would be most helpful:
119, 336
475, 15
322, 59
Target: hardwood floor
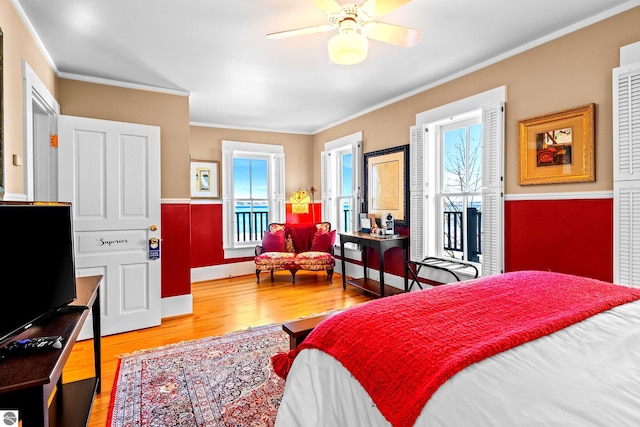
219, 307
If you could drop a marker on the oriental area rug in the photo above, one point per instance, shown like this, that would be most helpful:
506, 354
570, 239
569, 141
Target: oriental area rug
224, 381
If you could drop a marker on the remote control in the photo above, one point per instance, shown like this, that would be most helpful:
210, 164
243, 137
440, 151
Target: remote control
35, 344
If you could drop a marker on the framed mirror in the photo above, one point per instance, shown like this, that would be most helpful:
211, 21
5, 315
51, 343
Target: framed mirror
386, 183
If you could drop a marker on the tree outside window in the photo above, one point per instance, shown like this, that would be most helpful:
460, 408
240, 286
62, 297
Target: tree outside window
461, 196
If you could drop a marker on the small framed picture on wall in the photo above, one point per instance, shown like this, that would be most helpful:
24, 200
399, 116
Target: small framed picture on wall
205, 179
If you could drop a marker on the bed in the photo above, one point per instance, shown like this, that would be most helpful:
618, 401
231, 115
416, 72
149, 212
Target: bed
525, 348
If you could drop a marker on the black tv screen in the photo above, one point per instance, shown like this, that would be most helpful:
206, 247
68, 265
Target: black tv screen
36, 251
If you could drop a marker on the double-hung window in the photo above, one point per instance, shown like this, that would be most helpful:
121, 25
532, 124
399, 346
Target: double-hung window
341, 166
344, 193
250, 197
252, 194
456, 182
459, 193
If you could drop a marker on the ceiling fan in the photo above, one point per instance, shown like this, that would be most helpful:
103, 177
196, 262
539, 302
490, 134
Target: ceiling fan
356, 23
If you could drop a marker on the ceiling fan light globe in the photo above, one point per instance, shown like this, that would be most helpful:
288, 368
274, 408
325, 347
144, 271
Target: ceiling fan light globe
348, 48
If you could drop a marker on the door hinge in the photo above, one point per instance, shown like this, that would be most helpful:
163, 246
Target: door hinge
54, 141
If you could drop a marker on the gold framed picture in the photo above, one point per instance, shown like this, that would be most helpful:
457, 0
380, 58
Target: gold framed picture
205, 179
558, 147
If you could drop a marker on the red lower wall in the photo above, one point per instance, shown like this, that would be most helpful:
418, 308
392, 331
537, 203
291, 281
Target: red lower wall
206, 235
566, 236
175, 250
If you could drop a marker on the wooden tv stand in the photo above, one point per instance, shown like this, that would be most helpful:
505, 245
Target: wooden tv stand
28, 381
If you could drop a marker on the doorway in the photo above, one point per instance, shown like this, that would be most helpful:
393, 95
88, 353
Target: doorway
42, 182
39, 159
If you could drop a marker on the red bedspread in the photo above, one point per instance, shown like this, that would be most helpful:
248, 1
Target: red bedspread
402, 348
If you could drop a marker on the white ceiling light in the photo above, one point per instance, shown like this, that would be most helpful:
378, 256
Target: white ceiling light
349, 46
356, 24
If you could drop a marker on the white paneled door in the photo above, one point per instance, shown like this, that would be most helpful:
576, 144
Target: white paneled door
110, 172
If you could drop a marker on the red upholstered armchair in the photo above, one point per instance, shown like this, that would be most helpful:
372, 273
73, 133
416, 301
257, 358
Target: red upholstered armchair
296, 247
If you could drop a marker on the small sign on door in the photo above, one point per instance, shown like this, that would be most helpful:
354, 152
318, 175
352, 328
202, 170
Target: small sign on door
154, 248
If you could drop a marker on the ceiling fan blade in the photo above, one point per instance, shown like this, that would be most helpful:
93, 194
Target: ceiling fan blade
377, 8
394, 34
328, 6
300, 32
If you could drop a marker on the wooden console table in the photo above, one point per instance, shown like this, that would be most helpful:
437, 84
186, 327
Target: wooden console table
381, 245
27, 381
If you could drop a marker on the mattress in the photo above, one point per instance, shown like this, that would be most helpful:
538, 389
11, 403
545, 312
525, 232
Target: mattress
587, 374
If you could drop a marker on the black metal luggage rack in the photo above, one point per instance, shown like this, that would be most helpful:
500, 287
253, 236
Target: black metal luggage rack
451, 266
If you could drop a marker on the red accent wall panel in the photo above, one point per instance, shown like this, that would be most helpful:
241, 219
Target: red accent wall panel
206, 235
569, 236
314, 215
175, 250
566, 236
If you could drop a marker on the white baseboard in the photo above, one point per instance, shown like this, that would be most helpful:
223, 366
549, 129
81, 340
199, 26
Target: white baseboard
222, 271
14, 197
176, 306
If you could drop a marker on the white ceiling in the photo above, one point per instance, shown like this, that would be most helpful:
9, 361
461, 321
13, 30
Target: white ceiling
216, 51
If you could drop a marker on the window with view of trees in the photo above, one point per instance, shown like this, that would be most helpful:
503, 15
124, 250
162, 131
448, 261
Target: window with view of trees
456, 182
461, 189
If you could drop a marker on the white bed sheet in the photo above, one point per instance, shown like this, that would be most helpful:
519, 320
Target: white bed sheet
585, 375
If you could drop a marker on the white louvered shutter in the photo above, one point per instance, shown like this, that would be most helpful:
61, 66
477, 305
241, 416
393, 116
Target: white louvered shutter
327, 188
228, 216
356, 183
278, 192
626, 127
626, 175
417, 193
626, 228
492, 189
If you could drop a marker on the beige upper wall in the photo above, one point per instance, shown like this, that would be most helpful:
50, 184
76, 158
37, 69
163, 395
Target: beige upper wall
567, 72
18, 46
206, 144
76, 98
169, 112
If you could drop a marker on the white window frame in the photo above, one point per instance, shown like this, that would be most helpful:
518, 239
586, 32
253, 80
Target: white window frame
331, 172
276, 193
423, 219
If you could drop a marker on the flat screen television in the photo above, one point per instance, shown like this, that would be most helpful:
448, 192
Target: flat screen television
36, 251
